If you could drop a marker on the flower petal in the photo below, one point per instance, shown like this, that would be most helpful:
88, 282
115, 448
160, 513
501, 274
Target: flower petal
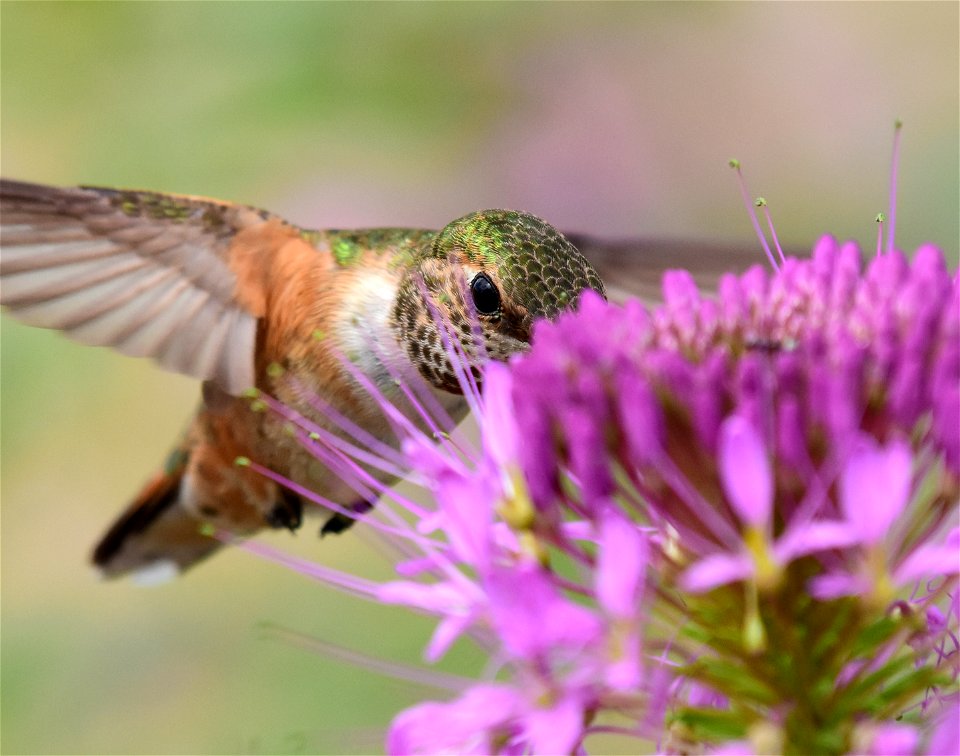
835, 585
640, 416
891, 739
465, 725
448, 630
621, 565
745, 471
589, 458
531, 616
715, 570
557, 729
438, 598
814, 536
875, 487
928, 561
946, 731
466, 506
499, 419
624, 671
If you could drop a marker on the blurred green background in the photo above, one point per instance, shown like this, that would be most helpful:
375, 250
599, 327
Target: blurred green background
611, 119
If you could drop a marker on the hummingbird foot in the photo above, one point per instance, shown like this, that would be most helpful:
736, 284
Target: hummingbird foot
286, 513
339, 522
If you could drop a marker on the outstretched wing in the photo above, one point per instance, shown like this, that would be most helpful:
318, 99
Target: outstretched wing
635, 267
151, 275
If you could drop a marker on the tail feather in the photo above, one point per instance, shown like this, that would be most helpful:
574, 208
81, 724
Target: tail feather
154, 531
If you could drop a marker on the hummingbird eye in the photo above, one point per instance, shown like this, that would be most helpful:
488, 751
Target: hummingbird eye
486, 298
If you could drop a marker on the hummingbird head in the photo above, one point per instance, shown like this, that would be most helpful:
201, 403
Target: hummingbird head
488, 276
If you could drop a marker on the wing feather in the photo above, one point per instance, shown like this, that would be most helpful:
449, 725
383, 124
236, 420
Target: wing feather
635, 267
30, 287
153, 337
120, 316
181, 353
19, 256
148, 274
204, 357
232, 370
77, 307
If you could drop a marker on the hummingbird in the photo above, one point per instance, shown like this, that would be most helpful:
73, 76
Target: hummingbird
241, 299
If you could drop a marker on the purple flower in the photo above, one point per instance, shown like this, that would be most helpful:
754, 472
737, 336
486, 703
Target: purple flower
875, 489
786, 437
533, 619
698, 524
471, 724
488, 719
746, 478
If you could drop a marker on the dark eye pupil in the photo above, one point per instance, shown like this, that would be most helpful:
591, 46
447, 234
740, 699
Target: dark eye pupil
486, 298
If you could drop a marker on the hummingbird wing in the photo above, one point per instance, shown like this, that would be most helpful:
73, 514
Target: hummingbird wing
152, 275
635, 267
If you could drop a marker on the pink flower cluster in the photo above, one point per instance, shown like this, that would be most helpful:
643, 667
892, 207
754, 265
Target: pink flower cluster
796, 437
728, 523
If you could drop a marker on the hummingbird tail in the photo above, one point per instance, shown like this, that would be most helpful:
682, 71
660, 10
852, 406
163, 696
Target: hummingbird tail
155, 538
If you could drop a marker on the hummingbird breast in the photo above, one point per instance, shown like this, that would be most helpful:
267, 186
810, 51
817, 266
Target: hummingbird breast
334, 351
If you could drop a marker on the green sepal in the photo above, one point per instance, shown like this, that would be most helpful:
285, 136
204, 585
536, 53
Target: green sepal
884, 692
873, 636
733, 679
710, 725
828, 641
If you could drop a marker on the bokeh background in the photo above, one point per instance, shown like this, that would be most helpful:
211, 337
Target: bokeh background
615, 120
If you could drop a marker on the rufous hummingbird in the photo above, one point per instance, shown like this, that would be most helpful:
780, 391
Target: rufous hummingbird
239, 298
